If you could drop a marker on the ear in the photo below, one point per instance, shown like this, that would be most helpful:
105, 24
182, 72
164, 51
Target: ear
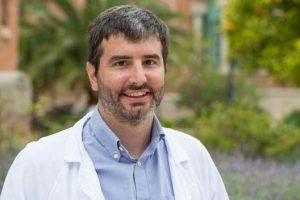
91, 71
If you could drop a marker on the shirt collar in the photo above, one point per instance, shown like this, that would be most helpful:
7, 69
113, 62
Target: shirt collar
157, 134
103, 134
157, 130
108, 139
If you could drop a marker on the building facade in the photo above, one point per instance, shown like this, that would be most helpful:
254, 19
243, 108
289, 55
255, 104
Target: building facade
9, 29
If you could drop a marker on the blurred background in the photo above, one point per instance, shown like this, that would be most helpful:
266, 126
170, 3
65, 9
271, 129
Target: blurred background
233, 80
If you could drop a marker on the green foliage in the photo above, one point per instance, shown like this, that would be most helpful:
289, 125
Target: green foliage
206, 87
51, 48
265, 34
236, 127
50, 118
293, 118
287, 146
48, 125
54, 47
249, 131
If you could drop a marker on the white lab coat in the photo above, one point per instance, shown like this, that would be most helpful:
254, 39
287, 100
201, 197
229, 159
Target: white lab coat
57, 167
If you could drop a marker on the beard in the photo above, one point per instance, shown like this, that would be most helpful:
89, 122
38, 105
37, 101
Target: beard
137, 112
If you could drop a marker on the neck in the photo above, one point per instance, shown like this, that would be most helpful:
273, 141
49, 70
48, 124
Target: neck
135, 137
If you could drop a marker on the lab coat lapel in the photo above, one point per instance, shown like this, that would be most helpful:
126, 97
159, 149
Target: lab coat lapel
178, 162
88, 184
181, 186
89, 187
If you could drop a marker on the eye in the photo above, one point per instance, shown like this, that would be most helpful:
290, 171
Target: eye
150, 62
121, 63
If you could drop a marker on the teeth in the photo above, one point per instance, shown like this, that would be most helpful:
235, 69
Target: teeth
136, 94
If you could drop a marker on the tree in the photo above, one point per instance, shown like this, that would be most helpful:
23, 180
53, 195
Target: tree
265, 34
54, 47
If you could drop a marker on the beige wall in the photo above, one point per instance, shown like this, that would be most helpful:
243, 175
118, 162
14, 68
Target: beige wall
280, 102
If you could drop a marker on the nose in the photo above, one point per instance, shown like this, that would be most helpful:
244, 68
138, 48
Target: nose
138, 75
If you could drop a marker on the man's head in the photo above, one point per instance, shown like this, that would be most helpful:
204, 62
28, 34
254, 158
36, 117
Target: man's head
127, 56
133, 22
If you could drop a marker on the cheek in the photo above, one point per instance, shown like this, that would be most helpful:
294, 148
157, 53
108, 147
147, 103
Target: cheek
114, 81
157, 79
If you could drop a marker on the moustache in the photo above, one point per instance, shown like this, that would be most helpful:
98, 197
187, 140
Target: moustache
138, 87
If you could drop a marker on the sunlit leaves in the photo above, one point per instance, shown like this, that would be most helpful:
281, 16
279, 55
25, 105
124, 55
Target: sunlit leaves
264, 34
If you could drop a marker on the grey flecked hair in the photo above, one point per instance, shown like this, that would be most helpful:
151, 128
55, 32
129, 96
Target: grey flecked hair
134, 22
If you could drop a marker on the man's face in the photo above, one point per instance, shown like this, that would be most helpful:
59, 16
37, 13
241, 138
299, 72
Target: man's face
130, 79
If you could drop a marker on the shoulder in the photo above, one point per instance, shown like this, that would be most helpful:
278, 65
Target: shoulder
189, 143
182, 145
36, 168
49, 148
179, 135
54, 146
42, 157
45, 156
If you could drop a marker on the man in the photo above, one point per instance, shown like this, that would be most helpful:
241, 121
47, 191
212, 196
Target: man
119, 150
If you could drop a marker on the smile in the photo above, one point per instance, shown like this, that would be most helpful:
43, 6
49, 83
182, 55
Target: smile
136, 94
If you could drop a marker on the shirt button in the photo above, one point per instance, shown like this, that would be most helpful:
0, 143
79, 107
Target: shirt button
116, 156
139, 163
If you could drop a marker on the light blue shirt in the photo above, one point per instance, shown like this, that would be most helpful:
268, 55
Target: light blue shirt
120, 175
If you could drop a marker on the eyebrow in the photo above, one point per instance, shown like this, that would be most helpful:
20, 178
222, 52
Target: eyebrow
118, 57
123, 57
153, 56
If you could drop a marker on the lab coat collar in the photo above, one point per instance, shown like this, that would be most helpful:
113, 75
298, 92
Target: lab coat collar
75, 151
89, 186
75, 154
175, 151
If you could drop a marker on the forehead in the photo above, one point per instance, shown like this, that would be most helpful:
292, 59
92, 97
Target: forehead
119, 44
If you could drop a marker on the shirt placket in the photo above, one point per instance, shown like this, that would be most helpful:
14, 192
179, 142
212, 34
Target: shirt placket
140, 180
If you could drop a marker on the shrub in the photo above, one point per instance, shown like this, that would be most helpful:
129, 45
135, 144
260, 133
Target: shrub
235, 127
293, 118
206, 87
248, 130
287, 146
